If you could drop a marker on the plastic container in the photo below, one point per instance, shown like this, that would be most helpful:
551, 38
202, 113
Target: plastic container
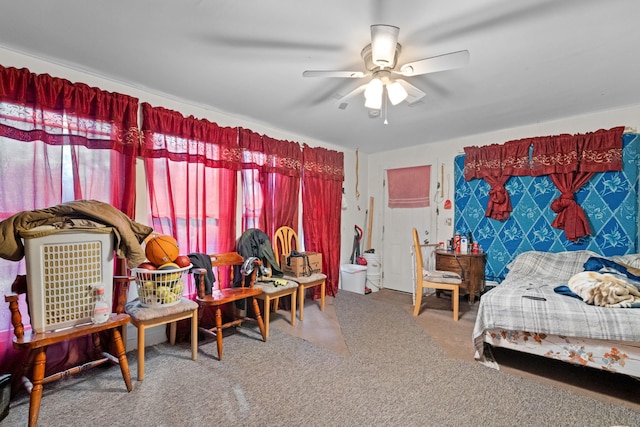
160, 288
374, 271
353, 278
64, 269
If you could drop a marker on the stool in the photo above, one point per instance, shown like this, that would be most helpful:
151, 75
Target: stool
148, 317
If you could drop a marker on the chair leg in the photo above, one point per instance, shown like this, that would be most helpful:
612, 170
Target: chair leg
194, 335
173, 326
121, 354
267, 314
219, 331
322, 292
301, 292
36, 380
418, 303
140, 352
123, 333
256, 309
294, 297
456, 303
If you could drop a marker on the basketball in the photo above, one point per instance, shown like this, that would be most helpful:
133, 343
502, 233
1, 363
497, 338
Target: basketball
161, 249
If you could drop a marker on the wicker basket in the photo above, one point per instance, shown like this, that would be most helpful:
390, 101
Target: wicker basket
160, 287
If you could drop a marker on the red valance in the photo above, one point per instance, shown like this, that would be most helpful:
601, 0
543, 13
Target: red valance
269, 154
510, 158
598, 151
170, 135
323, 163
57, 111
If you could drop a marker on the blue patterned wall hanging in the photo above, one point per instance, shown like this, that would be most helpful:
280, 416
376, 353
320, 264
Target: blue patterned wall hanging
609, 199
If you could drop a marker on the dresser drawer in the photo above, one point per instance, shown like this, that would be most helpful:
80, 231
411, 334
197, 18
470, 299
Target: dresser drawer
449, 263
473, 266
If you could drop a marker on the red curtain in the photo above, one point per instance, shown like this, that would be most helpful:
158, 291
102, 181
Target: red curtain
280, 182
571, 217
323, 174
271, 186
252, 193
496, 164
191, 168
61, 137
569, 160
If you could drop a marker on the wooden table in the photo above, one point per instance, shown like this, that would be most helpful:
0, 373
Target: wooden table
472, 265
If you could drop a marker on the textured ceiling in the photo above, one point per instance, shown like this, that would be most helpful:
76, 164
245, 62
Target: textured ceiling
531, 61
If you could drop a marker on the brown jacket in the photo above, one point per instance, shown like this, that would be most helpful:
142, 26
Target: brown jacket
128, 233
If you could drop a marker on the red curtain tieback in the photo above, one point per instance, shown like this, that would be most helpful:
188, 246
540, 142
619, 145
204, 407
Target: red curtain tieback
563, 202
498, 195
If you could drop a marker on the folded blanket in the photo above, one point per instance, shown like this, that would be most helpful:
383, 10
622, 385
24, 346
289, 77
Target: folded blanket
604, 289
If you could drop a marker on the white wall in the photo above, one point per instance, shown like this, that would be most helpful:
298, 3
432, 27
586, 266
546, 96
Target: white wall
446, 151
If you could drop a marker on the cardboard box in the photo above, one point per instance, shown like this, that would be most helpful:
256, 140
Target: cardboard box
301, 266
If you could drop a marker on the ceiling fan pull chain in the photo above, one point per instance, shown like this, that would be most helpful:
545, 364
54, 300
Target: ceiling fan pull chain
386, 107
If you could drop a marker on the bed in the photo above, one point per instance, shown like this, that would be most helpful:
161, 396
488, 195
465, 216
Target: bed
525, 313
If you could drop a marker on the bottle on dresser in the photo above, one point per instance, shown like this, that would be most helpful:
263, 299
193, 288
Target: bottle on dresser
463, 245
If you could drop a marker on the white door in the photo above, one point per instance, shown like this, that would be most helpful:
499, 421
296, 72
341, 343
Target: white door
397, 241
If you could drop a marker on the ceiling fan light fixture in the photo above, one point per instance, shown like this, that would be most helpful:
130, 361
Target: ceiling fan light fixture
396, 93
374, 89
373, 102
373, 94
384, 39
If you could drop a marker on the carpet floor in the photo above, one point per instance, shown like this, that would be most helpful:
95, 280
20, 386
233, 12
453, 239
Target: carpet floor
385, 370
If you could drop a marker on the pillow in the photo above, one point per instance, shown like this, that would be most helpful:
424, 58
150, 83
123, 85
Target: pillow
559, 265
439, 276
630, 260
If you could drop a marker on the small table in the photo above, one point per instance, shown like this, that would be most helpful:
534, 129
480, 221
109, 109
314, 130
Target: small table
473, 266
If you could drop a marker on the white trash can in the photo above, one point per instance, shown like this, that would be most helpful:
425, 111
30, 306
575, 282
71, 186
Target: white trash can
353, 277
374, 271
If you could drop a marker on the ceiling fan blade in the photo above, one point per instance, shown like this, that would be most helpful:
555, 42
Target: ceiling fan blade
343, 101
340, 74
447, 61
413, 93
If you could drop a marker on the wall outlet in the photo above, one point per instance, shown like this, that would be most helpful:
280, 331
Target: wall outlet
448, 221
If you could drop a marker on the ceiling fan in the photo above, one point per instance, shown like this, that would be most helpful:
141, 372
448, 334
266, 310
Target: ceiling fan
380, 58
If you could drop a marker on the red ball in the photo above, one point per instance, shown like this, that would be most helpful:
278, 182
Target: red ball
147, 266
161, 249
183, 261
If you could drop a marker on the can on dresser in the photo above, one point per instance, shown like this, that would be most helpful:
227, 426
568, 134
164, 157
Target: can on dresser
456, 242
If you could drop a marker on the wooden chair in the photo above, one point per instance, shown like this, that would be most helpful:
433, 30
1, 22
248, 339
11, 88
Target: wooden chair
271, 293
286, 240
36, 345
148, 317
219, 297
449, 281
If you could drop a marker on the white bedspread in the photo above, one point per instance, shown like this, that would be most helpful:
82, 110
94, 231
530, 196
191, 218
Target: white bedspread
526, 301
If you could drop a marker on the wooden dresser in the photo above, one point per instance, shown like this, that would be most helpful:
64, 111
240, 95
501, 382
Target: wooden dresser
473, 266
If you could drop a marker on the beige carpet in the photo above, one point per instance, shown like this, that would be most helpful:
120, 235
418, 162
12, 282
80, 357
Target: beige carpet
376, 367
454, 338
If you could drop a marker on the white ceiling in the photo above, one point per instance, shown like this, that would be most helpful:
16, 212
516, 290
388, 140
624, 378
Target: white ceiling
531, 61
